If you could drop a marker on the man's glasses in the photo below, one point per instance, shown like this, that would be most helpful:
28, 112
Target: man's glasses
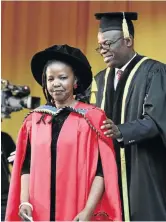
107, 44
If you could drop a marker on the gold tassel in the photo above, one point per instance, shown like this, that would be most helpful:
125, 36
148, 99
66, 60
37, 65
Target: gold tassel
125, 27
93, 92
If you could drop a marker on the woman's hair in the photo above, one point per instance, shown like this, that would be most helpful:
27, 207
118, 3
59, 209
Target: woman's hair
79, 92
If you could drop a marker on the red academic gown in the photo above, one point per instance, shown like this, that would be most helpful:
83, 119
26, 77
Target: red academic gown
78, 146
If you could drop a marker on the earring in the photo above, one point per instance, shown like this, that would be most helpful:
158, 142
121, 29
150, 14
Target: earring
75, 86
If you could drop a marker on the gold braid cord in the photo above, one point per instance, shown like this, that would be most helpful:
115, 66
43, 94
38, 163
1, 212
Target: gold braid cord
82, 112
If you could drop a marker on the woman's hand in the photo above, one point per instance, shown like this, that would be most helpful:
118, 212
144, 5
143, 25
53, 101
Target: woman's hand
12, 156
25, 211
94, 197
84, 215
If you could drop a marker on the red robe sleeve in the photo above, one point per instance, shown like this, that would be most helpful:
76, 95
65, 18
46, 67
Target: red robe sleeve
15, 183
111, 199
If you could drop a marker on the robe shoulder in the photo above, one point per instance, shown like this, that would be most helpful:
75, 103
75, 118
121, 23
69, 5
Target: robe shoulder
154, 66
100, 74
156, 74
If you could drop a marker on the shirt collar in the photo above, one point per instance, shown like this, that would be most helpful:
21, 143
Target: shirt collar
124, 67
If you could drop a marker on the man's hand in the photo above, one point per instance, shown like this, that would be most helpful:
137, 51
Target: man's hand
112, 131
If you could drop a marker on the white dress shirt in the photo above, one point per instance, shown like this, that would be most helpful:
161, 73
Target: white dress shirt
122, 69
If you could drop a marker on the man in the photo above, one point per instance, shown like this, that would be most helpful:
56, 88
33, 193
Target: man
132, 91
7, 146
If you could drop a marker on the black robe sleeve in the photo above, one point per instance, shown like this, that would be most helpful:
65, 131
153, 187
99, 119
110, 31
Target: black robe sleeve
7, 144
153, 121
27, 160
99, 171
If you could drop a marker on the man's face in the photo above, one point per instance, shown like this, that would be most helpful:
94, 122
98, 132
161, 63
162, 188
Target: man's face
113, 48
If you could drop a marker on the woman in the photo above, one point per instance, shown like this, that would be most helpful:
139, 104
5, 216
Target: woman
65, 167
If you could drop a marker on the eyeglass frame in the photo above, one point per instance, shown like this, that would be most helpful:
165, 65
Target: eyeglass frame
98, 49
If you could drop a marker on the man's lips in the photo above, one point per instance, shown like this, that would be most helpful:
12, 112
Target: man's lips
108, 58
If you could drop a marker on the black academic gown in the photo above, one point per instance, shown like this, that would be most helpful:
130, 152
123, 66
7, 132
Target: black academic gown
144, 135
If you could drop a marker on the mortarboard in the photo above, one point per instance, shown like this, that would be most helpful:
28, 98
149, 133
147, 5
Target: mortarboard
117, 21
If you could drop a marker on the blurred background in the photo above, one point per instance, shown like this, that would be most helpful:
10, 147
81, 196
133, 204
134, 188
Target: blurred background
28, 27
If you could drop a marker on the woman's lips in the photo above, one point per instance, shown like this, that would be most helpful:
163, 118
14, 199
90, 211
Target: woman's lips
57, 92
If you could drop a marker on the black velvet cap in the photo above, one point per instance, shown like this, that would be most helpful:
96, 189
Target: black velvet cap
65, 53
113, 21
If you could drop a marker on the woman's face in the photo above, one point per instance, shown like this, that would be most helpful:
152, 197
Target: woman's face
60, 81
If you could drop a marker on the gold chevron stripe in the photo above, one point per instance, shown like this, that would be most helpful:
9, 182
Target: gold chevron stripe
105, 87
122, 151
